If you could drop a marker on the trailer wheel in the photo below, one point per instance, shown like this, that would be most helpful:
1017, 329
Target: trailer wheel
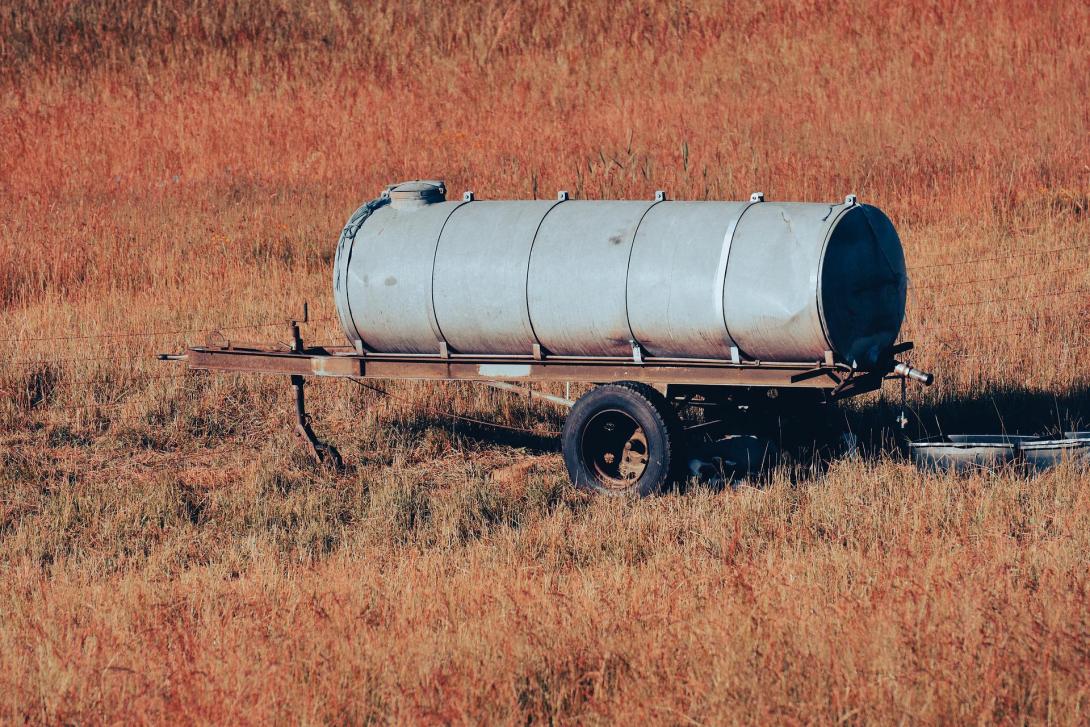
622, 439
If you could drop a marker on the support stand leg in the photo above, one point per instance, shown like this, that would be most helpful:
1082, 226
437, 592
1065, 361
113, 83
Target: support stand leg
323, 452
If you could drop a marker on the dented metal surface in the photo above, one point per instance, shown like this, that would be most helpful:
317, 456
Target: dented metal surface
773, 281
810, 277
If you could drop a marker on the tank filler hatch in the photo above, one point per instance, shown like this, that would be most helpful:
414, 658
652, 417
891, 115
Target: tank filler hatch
417, 193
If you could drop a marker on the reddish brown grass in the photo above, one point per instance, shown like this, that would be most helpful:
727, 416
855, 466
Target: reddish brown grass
166, 555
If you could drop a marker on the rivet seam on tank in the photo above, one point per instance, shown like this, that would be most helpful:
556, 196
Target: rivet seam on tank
441, 340
819, 305
736, 351
637, 353
540, 351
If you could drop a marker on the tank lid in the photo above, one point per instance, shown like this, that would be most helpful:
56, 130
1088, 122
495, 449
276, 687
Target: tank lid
421, 191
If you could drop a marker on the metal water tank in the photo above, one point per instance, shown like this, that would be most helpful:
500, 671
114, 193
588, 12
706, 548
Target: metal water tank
750, 280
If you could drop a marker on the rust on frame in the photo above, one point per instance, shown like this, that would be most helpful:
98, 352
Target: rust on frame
706, 372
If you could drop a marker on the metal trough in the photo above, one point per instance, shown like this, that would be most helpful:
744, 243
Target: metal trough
989, 439
967, 453
1046, 453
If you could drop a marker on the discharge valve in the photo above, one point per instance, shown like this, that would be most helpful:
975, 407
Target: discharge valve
909, 372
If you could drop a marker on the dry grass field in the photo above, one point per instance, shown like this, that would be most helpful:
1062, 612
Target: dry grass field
167, 554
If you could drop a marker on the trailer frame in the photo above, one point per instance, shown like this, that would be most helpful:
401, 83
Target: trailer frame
825, 380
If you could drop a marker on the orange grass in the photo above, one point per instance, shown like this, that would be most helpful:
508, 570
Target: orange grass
167, 555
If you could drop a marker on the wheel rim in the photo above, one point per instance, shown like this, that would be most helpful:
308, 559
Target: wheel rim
614, 449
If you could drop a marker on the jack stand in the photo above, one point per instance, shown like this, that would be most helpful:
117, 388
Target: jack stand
323, 452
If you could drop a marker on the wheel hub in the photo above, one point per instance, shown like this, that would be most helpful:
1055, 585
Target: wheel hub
614, 448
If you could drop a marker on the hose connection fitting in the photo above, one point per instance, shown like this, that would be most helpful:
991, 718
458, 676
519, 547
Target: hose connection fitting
908, 372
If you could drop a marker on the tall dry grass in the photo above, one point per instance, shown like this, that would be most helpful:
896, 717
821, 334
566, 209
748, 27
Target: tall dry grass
166, 554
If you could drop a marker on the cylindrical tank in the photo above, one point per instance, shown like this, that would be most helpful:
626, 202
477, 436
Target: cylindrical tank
751, 280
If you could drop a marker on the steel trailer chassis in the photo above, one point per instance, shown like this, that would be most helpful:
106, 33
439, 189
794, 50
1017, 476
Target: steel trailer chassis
681, 380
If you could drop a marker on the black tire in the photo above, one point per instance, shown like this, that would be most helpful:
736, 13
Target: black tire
622, 439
